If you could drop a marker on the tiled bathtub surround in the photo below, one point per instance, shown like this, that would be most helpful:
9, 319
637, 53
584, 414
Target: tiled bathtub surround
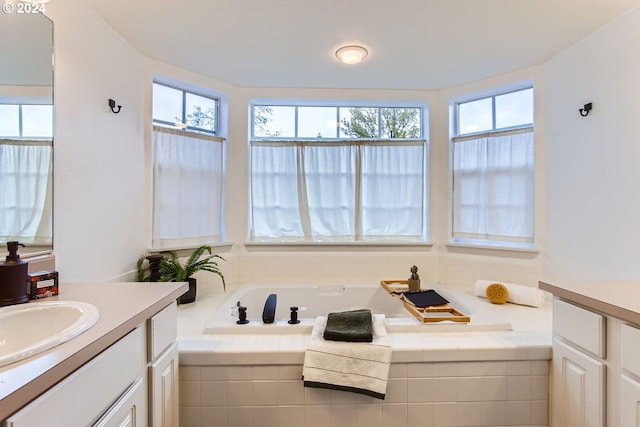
494, 393
498, 393
463, 379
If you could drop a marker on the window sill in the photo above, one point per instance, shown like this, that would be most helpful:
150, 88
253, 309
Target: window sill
336, 246
183, 250
502, 248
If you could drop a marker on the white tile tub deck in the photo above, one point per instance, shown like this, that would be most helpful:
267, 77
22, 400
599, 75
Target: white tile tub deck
487, 378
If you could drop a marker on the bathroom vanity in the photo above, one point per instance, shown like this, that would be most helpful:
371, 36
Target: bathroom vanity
122, 371
595, 375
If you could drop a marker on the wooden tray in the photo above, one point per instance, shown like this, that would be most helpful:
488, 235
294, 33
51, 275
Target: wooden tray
436, 313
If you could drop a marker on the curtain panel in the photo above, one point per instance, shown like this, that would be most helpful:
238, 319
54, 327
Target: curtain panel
26, 175
493, 176
346, 190
187, 187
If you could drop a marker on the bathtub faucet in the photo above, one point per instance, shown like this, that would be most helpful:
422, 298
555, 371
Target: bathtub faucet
269, 311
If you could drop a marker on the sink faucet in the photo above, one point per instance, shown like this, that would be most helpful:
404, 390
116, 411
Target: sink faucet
269, 311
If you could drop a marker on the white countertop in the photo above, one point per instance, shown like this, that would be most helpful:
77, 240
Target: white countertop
122, 307
617, 298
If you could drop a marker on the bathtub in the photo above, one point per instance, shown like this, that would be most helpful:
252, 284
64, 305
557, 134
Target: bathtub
319, 300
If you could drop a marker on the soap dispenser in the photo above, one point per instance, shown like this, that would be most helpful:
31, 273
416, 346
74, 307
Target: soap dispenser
13, 277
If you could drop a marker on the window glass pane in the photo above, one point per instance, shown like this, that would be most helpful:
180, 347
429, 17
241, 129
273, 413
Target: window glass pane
400, 123
475, 116
317, 122
37, 121
167, 104
201, 111
274, 121
358, 122
514, 109
9, 120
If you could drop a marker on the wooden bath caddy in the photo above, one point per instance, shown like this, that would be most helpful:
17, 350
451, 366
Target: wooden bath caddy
435, 313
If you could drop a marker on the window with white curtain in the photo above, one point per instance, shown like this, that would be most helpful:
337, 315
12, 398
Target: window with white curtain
26, 173
493, 170
187, 169
328, 174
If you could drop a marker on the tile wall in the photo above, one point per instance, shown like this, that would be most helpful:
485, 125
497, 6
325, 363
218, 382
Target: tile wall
448, 394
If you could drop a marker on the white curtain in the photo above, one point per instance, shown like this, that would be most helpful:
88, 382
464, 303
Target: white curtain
26, 175
337, 190
493, 187
187, 187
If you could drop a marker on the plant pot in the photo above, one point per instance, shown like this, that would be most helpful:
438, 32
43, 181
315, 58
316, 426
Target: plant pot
190, 295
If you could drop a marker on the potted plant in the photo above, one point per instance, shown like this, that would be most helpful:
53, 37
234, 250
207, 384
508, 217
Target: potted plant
169, 268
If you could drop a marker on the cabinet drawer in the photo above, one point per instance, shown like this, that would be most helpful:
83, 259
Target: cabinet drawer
630, 349
163, 330
579, 326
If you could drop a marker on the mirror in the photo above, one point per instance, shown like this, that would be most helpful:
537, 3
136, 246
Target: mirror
26, 129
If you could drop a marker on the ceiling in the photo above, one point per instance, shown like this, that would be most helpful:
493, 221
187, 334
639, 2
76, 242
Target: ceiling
413, 44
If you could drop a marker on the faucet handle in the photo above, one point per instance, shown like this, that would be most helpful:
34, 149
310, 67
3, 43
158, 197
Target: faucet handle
294, 316
242, 316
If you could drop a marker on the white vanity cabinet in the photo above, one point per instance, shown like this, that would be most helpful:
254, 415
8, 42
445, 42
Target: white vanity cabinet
629, 375
87, 396
134, 382
578, 367
163, 368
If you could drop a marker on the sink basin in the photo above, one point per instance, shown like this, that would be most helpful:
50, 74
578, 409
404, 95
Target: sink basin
31, 328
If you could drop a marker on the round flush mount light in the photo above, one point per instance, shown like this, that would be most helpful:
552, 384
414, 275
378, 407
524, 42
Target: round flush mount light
351, 54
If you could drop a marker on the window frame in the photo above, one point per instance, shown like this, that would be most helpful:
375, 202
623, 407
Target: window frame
424, 132
493, 95
183, 118
21, 134
423, 120
455, 128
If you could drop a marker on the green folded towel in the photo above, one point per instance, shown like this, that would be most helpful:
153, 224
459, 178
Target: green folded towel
351, 326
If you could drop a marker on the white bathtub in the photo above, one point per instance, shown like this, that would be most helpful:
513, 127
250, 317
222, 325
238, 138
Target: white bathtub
319, 300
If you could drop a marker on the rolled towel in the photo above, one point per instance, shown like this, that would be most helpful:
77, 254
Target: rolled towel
352, 326
518, 294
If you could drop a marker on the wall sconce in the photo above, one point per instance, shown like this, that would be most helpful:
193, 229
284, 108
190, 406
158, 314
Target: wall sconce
112, 104
351, 54
584, 111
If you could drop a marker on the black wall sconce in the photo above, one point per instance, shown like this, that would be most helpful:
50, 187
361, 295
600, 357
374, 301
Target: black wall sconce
584, 111
112, 104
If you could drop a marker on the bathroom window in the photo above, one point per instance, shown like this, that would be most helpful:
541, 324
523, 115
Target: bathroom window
26, 165
338, 173
183, 109
187, 169
493, 170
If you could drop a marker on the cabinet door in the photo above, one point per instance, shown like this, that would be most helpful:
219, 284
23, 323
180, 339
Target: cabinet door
578, 388
629, 402
129, 410
164, 389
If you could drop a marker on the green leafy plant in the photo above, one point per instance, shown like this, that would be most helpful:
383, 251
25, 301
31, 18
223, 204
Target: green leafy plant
172, 269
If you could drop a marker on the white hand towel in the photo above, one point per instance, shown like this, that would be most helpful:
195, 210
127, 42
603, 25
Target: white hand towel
518, 294
356, 367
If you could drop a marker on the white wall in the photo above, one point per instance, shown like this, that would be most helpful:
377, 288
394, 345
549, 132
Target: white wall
99, 211
593, 192
102, 179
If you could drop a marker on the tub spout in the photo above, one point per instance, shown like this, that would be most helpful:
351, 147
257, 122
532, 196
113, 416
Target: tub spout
269, 311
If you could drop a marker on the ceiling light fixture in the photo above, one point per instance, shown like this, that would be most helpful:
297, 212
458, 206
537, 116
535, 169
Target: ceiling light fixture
35, 1
351, 54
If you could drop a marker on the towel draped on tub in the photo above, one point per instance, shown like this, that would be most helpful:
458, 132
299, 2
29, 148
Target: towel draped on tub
359, 367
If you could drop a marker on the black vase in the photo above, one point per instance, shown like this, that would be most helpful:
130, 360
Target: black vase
190, 295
